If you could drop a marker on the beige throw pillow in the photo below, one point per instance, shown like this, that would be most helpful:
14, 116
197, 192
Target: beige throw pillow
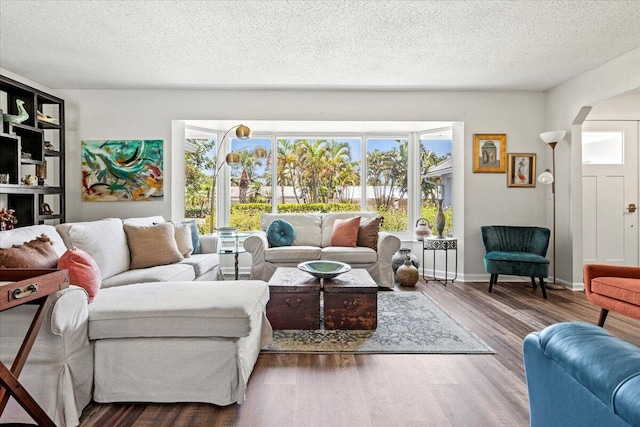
152, 245
183, 239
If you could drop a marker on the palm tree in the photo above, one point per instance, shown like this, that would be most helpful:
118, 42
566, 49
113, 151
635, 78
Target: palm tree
312, 154
338, 156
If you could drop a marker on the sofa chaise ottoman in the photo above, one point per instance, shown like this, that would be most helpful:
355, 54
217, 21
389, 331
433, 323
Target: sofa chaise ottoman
178, 341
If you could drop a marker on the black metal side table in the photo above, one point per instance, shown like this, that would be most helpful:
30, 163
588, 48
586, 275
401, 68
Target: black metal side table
436, 244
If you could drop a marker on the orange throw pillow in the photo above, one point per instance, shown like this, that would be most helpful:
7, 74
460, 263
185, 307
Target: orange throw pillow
345, 232
83, 271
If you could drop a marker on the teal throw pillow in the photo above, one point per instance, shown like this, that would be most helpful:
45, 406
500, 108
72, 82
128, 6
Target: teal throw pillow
280, 233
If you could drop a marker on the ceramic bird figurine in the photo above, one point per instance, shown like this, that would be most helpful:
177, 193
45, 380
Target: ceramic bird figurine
22, 114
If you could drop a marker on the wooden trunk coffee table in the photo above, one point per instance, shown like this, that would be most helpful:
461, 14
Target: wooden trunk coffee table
295, 300
350, 300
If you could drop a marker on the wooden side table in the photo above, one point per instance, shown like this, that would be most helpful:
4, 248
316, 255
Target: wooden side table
27, 286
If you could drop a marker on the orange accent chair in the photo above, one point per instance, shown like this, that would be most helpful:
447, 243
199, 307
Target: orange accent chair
613, 287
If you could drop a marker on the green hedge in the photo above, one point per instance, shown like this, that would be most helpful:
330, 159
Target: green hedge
246, 216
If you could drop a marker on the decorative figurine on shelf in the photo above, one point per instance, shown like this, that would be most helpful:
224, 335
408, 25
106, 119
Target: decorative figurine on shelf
45, 209
7, 219
41, 172
29, 180
49, 146
20, 117
42, 117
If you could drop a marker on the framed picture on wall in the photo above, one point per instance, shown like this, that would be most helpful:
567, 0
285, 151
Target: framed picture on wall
489, 152
521, 170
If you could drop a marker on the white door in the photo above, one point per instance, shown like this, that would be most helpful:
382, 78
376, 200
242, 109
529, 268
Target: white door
610, 192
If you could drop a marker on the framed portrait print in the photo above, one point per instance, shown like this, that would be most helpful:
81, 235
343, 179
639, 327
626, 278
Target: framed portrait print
521, 170
489, 152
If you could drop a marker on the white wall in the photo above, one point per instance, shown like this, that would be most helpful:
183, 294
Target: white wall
480, 199
563, 104
134, 114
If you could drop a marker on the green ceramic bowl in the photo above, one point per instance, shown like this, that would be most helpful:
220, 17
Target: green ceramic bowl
324, 269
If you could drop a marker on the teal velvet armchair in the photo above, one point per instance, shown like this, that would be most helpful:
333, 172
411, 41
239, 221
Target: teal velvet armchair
518, 251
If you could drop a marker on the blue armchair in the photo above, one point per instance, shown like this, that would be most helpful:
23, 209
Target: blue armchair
518, 251
579, 375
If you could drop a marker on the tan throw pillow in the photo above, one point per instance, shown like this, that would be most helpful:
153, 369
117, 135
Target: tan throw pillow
345, 232
152, 245
37, 253
183, 239
368, 233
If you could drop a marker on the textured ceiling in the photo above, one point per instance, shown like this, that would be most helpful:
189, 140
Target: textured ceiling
486, 45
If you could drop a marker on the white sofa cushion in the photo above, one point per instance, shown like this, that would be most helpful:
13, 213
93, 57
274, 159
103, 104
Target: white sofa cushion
104, 240
307, 227
202, 263
21, 235
292, 254
358, 255
158, 273
329, 218
177, 309
145, 220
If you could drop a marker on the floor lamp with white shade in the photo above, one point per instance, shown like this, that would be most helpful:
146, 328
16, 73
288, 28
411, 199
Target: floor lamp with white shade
548, 177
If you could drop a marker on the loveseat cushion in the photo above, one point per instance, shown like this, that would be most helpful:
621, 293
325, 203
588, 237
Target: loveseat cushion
159, 273
202, 263
307, 226
177, 309
291, 254
620, 288
358, 255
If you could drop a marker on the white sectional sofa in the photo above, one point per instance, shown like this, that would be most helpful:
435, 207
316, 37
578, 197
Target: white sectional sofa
168, 333
312, 242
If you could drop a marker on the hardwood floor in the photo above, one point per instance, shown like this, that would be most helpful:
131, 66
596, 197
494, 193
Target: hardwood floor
394, 390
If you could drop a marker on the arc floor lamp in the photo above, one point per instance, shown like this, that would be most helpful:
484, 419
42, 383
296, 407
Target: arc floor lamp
548, 177
231, 159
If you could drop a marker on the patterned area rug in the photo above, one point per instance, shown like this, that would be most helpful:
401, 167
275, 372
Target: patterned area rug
408, 322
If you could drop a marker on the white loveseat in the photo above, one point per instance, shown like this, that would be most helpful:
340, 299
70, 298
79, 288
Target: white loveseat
312, 242
159, 334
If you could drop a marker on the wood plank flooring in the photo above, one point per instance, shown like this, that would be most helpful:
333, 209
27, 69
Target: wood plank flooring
394, 390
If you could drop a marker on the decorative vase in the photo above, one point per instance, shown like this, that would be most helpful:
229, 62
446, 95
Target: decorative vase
407, 274
399, 257
440, 221
423, 229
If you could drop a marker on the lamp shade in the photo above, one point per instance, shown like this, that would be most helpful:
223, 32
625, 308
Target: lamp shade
260, 153
546, 177
243, 132
232, 159
553, 136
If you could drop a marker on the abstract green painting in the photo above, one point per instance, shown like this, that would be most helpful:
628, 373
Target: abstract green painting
122, 170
